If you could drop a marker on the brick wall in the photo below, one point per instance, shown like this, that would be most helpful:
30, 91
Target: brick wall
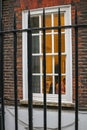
8, 19
8, 50
17, 6
82, 19
82, 39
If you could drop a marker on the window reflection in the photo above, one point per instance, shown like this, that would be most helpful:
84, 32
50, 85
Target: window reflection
48, 43
36, 84
48, 64
35, 44
63, 85
48, 22
35, 23
56, 21
49, 87
56, 43
36, 64
63, 64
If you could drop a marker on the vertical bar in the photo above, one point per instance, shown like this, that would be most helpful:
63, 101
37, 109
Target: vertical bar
44, 71
76, 71
15, 74
29, 46
59, 59
2, 120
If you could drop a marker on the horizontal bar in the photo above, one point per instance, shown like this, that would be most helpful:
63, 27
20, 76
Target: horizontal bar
47, 28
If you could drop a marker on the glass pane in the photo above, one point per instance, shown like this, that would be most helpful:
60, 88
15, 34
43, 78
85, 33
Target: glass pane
35, 23
56, 43
62, 19
63, 85
56, 67
42, 44
48, 64
56, 21
48, 44
48, 22
36, 84
35, 44
63, 64
49, 87
35, 64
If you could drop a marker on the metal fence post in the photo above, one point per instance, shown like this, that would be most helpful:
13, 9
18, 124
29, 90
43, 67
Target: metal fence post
15, 75
29, 57
76, 71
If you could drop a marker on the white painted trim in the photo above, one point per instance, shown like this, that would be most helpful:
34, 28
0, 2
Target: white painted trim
24, 54
51, 97
48, 9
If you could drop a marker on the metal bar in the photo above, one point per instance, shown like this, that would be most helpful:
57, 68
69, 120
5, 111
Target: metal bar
47, 28
76, 72
15, 75
59, 59
29, 46
44, 71
2, 117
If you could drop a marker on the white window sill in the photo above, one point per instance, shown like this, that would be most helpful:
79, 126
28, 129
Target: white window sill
49, 104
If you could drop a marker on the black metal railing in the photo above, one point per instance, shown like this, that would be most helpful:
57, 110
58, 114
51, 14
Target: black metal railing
76, 26
76, 72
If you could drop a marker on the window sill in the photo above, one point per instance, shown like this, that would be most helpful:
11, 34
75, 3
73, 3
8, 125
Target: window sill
49, 104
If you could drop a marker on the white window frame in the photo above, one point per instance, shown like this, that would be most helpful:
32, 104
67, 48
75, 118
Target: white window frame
66, 98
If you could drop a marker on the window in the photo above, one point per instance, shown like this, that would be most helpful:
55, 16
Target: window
51, 19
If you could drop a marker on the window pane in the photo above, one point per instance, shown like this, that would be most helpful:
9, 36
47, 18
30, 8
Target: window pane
56, 43
35, 44
35, 23
63, 64
63, 84
49, 87
36, 84
48, 22
48, 64
36, 64
48, 44
56, 21
56, 65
